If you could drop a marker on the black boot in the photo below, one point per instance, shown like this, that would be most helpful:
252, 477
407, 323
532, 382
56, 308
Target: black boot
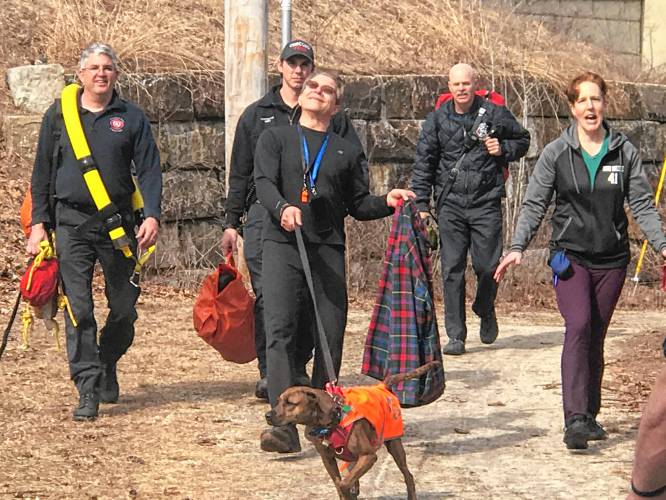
109, 389
488, 331
454, 348
301, 377
261, 389
88, 407
283, 439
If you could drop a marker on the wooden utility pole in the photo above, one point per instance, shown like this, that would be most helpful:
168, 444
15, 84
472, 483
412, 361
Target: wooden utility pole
245, 63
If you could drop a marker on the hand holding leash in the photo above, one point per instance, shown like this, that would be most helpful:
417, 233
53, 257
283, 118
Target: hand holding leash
291, 218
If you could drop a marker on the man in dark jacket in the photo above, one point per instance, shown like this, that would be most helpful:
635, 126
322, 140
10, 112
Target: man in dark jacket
118, 134
461, 150
278, 107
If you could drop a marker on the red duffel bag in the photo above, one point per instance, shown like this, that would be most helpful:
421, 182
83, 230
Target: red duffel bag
40, 282
224, 314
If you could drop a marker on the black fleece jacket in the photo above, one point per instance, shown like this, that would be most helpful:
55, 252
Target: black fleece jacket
340, 183
589, 220
269, 111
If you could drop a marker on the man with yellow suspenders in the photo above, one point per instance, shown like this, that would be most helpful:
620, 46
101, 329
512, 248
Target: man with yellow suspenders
83, 188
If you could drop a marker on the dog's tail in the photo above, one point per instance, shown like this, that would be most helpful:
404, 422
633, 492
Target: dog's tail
399, 377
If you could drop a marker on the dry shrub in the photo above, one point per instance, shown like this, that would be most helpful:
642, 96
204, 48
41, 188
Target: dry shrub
355, 36
428, 36
149, 35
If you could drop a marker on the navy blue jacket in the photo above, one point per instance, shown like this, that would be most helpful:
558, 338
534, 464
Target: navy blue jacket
441, 144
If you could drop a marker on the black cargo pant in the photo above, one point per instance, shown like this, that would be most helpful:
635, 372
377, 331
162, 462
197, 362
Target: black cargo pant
77, 253
287, 307
252, 247
479, 231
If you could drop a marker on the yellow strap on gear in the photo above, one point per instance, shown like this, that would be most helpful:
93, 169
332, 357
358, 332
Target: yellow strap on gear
137, 197
91, 175
93, 179
63, 303
26, 326
52, 325
46, 252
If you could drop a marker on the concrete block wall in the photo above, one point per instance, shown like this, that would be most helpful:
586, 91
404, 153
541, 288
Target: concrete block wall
387, 111
616, 25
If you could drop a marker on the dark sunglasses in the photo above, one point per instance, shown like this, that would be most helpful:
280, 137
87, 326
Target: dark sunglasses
325, 89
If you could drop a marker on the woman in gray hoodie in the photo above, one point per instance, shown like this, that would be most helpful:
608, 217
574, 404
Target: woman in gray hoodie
592, 170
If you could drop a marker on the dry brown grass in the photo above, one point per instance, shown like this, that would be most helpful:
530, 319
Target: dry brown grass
355, 36
428, 36
149, 35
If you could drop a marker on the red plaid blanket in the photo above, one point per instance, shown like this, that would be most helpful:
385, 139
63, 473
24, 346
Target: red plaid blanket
403, 331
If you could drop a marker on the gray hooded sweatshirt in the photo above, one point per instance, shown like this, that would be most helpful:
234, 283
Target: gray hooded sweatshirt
589, 221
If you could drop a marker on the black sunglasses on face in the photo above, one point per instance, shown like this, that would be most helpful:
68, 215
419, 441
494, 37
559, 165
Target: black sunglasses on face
325, 89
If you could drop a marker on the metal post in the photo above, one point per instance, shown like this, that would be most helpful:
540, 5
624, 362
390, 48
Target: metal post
245, 63
285, 7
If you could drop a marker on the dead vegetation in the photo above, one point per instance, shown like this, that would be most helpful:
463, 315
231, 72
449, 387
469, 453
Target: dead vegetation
355, 36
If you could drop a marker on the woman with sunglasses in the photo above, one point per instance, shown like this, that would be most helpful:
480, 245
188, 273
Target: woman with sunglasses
310, 177
592, 170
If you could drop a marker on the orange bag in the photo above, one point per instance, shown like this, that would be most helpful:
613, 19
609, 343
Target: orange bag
224, 314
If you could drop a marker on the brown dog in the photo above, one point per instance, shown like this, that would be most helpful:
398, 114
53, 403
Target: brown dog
322, 414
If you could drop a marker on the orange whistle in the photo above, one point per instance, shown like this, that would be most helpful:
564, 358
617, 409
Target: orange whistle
304, 195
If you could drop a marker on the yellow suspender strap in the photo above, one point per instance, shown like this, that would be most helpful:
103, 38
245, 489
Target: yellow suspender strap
93, 179
91, 175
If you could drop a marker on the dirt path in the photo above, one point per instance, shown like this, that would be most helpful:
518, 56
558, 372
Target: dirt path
187, 425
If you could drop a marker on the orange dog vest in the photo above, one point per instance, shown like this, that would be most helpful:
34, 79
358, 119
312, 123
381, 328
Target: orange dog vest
377, 405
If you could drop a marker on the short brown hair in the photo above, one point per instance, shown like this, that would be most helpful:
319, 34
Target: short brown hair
333, 75
574, 87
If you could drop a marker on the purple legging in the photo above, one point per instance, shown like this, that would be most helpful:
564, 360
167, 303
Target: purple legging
586, 301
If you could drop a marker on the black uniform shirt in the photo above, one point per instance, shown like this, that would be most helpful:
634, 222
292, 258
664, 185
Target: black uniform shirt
341, 183
117, 136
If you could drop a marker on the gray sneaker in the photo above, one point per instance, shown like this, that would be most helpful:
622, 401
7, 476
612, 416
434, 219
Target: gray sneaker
454, 347
595, 431
576, 433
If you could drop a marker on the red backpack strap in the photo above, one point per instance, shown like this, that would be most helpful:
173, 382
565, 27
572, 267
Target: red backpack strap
446, 96
490, 95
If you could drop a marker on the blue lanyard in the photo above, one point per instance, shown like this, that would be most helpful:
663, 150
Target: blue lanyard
314, 171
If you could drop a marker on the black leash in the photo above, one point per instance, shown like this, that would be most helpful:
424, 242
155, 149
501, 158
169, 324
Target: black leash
323, 342
5, 336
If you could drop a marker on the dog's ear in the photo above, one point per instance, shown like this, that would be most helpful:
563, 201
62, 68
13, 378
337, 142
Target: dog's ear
312, 397
327, 409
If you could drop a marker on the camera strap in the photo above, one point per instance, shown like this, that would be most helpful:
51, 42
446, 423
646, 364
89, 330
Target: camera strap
310, 172
453, 173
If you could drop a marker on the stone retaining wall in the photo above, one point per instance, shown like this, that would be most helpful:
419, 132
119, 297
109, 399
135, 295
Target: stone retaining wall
188, 113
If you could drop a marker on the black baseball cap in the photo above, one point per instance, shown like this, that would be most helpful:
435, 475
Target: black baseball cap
297, 48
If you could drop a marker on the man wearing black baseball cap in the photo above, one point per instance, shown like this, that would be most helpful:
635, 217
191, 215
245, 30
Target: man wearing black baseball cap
278, 107
298, 48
